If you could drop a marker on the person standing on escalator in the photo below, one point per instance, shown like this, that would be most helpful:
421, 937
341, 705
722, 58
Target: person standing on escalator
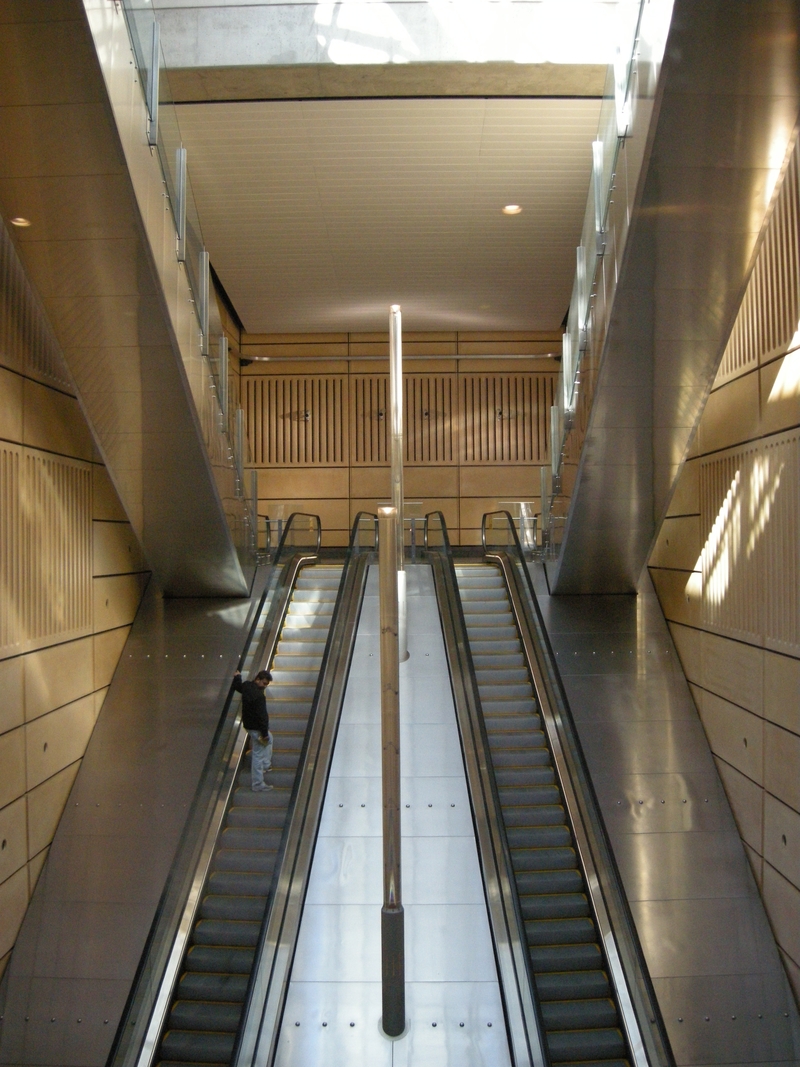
256, 721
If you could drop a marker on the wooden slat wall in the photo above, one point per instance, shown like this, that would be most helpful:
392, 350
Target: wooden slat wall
46, 549
472, 437
770, 310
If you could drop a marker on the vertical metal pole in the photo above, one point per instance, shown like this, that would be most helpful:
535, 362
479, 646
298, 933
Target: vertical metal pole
205, 290
238, 452
254, 505
152, 86
393, 1019
180, 182
396, 406
223, 378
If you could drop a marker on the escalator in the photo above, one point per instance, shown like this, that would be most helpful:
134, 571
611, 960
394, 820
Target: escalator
204, 1016
575, 983
579, 1014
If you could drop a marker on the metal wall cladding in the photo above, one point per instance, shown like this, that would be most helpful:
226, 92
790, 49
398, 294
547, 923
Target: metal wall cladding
447, 419
45, 548
297, 420
749, 515
25, 338
770, 310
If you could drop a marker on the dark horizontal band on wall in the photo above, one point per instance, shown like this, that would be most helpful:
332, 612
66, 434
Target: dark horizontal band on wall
332, 81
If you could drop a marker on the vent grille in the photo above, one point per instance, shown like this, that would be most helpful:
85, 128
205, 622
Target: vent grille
46, 551
430, 431
506, 418
770, 310
296, 421
369, 398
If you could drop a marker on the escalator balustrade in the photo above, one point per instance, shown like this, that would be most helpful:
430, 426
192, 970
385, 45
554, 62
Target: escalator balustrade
209, 997
580, 1018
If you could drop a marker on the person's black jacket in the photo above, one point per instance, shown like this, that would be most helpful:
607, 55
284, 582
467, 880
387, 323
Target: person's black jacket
254, 706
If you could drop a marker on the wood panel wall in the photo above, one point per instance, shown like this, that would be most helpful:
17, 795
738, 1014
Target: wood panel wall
476, 432
726, 566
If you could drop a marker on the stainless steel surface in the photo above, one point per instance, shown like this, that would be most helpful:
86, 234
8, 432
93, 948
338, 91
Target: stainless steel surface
527, 1043
694, 900
599, 907
451, 972
83, 935
724, 108
393, 977
398, 496
94, 254
259, 1026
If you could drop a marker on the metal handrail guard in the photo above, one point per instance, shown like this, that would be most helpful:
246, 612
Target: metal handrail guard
523, 1017
655, 1052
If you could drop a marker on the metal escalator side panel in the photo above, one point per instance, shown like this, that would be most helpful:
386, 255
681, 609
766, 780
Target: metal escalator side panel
257, 1039
646, 1040
523, 1023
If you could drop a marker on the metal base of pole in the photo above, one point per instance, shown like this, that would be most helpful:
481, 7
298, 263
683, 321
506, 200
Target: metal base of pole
393, 1021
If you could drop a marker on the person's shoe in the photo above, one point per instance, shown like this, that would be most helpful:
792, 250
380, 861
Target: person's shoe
261, 788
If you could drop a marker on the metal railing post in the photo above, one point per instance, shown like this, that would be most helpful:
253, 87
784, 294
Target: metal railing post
393, 1020
396, 404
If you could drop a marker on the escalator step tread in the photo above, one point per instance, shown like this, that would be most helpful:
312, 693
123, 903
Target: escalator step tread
197, 1046
223, 933
567, 1046
534, 815
526, 759
242, 861
555, 906
580, 1014
543, 859
212, 959
265, 818
222, 987
205, 1015
251, 838
243, 882
572, 985
533, 883
562, 931
217, 906
584, 957
522, 776
539, 836
512, 797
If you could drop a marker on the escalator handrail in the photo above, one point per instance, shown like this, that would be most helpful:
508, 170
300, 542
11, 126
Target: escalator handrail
523, 1015
256, 1040
642, 1018
136, 1040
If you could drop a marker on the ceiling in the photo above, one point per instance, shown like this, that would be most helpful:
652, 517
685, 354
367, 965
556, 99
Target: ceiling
318, 214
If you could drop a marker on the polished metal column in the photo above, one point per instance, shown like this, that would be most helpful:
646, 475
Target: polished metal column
392, 923
396, 405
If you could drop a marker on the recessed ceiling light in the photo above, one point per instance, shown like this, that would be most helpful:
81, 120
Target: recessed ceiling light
512, 209
19, 221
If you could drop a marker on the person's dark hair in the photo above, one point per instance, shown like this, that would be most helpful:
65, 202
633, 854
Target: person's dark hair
263, 675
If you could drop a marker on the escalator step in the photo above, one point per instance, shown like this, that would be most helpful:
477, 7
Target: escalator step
509, 707
212, 959
515, 691
215, 906
555, 906
533, 777
517, 738
244, 797
524, 758
519, 721
543, 859
532, 883
204, 1015
566, 957
492, 661
543, 794
197, 1046
240, 860
535, 815
224, 987
539, 836
578, 931
194, 1063
226, 932
573, 985
244, 883
579, 1014
567, 1046
255, 838
265, 818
